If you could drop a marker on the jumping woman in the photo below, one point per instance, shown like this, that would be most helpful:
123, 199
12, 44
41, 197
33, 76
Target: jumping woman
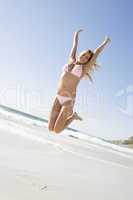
62, 114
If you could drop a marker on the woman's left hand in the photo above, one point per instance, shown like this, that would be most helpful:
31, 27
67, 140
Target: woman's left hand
107, 39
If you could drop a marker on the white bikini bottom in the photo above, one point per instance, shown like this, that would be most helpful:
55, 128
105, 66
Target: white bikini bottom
64, 99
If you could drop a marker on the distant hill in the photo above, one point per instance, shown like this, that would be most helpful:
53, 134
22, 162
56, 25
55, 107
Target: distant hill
127, 142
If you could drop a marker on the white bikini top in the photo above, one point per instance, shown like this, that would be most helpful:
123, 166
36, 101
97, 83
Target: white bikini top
77, 70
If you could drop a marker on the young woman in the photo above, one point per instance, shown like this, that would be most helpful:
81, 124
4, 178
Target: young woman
62, 114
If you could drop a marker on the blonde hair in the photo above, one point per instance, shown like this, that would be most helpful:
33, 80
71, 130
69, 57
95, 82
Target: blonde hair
91, 68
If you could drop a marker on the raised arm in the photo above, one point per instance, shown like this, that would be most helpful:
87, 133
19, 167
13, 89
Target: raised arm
97, 51
73, 51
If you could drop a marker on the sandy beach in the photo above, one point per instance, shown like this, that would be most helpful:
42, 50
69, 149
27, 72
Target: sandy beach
36, 164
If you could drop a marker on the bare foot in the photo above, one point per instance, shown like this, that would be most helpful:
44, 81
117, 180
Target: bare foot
77, 117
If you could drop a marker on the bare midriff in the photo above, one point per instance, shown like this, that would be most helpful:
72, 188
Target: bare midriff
68, 84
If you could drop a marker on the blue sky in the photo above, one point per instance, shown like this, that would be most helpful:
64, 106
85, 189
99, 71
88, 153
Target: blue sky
35, 42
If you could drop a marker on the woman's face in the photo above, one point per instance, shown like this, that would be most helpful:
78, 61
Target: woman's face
83, 58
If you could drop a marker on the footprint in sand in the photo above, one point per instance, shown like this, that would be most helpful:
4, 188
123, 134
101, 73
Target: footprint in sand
37, 182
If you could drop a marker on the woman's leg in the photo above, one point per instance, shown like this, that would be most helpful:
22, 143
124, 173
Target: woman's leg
65, 117
54, 114
69, 120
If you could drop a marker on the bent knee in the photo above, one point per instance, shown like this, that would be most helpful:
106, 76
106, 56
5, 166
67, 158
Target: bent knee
56, 130
50, 127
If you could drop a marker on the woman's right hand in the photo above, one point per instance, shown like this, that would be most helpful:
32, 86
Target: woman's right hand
80, 30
